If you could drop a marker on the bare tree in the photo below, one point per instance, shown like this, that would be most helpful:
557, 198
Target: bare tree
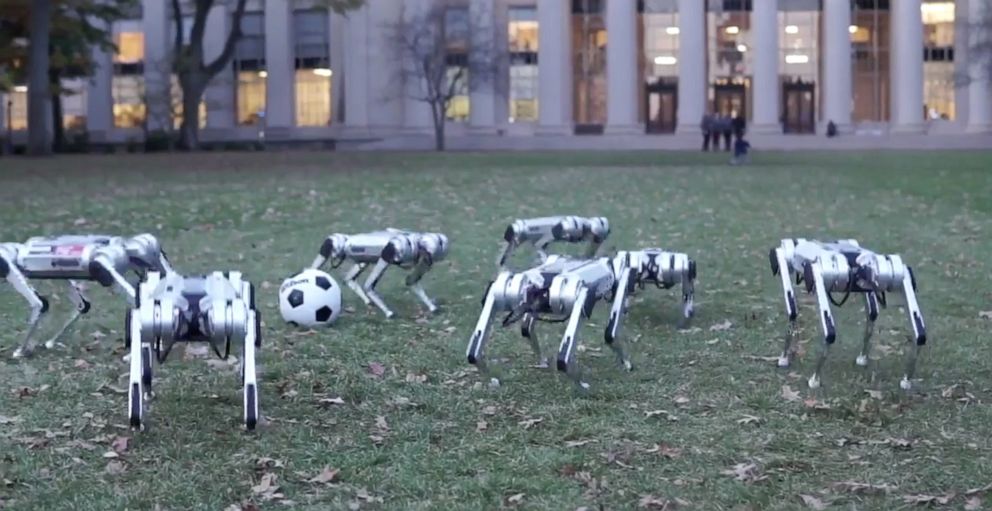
438, 50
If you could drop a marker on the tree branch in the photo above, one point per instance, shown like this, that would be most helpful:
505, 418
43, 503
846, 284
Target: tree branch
232, 41
177, 46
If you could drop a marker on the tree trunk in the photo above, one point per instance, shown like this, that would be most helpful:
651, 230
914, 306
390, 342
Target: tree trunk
437, 114
58, 130
38, 95
189, 132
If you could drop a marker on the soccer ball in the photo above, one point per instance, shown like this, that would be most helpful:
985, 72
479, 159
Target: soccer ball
310, 298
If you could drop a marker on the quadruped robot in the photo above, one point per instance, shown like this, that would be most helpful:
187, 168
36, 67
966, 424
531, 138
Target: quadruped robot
845, 267
541, 232
75, 258
563, 289
415, 251
218, 309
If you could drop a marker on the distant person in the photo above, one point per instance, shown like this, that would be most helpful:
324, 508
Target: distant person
739, 126
741, 148
831, 129
707, 128
727, 128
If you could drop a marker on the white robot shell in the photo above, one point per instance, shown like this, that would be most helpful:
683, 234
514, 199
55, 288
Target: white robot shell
311, 298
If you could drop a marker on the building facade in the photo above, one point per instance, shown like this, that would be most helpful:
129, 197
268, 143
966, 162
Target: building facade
561, 67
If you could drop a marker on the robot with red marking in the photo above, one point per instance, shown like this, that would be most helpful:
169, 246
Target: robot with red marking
73, 259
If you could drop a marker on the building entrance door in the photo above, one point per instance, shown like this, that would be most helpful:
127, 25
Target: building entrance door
799, 107
730, 99
662, 105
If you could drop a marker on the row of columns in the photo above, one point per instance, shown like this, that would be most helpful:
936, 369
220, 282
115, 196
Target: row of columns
373, 99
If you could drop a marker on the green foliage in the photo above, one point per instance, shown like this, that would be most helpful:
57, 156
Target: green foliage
77, 27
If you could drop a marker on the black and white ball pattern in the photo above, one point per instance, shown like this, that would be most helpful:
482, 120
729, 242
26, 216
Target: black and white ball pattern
311, 298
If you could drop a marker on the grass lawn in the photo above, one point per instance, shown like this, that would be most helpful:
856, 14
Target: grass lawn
705, 421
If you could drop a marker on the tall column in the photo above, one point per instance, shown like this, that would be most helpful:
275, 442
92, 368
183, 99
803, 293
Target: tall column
979, 83
836, 79
416, 112
483, 58
764, 23
692, 65
156, 22
621, 67
356, 71
385, 94
337, 50
554, 68
99, 96
907, 66
219, 95
280, 90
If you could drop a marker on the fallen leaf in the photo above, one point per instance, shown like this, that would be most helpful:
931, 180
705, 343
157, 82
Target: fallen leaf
416, 378
973, 503
985, 314
331, 401
267, 488
577, 443
748, 419
81, 364
863, 488
529, 423
719, 327
515, 499
665, 450
876, 394
666, 413
481, 426
681, 400
8, 420
761, 359
376, 369
263, 464
111, 454
942, 500
790, 395
813, 502
745, 472
120, 444
816, 404
328, 475
380, 422
489, 410
976, 491
115, 467
652, 502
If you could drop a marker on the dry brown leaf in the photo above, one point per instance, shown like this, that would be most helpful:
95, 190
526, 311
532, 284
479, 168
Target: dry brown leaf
328, 475
719, 327
668, 415
813, 502
652, 502
681, 400
331, 401
863, 488
115, 467
111, 455
921, 499
416, 378
665, 450
761, 359
815, 404
745, 472
790, 395
876, 394
376, 369
489, 410
529, 423
120, 444
577, 443
81, 364
973, 503
267, 489
515, 500
976, 491
748, 419
380, 422
481, 426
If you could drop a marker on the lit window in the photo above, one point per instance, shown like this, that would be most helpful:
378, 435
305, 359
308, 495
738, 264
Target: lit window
456, 31
523, 42
74, 104
177, 106
313, 68
128, 83
249, 70
17, 102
